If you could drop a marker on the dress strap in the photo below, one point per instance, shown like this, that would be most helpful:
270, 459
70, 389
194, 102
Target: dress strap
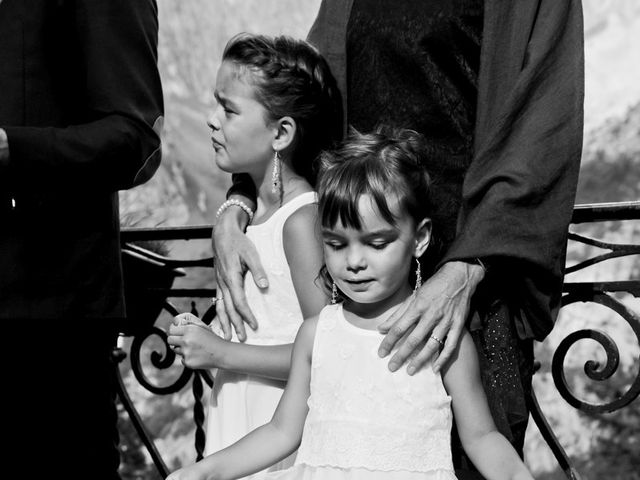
296, 203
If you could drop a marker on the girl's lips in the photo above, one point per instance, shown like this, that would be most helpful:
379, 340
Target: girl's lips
359, 285
216, 145
359, 282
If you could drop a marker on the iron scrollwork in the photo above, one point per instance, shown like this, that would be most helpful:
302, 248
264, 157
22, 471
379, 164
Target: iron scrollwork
600, 293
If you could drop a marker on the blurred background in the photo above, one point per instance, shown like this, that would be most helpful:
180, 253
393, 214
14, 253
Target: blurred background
188, 189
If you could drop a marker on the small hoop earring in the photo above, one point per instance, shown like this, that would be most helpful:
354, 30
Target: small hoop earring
276, 175
334, 293
418, 276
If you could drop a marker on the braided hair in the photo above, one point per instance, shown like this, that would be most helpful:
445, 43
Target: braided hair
291, 78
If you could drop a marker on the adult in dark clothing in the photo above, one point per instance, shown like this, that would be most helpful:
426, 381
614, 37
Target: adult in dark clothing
80, 116
497, 88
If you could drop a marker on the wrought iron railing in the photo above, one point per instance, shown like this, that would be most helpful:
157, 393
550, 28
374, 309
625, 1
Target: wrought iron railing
143, 264
602, 293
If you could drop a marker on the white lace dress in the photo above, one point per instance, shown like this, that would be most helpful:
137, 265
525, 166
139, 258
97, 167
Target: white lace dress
240, 403
364, 422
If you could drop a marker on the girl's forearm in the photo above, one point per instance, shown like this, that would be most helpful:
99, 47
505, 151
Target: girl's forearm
258, 450
496, 459
269, 361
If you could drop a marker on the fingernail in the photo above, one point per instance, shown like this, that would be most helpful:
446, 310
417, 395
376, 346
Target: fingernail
382, 353
393, 367
262, 283
436, 368
411, 370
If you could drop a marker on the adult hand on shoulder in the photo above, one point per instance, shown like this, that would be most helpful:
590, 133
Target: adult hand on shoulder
436, 313
192, 339
234, 253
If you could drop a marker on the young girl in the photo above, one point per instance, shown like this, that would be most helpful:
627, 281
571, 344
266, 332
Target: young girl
350, 416
276, 105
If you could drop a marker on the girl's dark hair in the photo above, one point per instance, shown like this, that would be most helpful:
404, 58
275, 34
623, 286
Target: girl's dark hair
387, 164
292, 79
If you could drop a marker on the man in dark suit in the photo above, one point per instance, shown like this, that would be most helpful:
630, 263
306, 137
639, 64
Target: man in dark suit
80, 117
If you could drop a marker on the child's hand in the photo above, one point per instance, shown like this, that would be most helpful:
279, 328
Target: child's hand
192, 339
188, 319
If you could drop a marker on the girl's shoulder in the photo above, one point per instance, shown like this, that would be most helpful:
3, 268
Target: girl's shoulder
299, 229
300, 207
326, 317
307, 334
304, 201
301, 221
294, 204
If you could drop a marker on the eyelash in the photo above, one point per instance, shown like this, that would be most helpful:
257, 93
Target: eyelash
333, 245
338, 246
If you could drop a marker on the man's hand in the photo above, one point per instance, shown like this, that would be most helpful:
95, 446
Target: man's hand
436, 313
234, 253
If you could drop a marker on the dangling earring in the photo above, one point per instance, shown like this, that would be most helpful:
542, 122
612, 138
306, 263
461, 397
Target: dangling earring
276, 175
418, 276
334, 293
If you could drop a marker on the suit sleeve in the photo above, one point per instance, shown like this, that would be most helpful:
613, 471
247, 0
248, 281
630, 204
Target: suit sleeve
118, 144
519, 191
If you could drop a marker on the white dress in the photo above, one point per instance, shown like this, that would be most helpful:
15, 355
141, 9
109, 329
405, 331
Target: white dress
365, 422
240, 403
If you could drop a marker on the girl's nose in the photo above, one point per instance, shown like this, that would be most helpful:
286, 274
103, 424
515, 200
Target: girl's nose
212, 122
355, 260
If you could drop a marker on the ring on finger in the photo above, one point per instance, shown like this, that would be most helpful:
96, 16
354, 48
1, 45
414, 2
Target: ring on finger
437, 340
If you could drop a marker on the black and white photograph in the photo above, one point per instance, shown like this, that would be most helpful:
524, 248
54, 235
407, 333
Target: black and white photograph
320, 239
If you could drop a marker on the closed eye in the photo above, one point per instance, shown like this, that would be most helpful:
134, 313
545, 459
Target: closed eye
381, 240
333, 244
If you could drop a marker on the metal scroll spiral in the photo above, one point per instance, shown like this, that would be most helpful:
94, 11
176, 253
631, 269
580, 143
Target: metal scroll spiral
163, 359
592, 368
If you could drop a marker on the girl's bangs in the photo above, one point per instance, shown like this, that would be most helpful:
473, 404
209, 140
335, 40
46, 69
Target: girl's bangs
341, 194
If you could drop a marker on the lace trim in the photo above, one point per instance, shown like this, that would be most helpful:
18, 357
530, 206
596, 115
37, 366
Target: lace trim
301, 470
377, 447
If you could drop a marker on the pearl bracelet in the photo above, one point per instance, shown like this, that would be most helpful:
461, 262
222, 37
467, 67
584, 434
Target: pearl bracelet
238, 203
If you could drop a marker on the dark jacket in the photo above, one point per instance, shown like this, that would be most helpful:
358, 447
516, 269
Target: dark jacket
519, 190
81, 103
